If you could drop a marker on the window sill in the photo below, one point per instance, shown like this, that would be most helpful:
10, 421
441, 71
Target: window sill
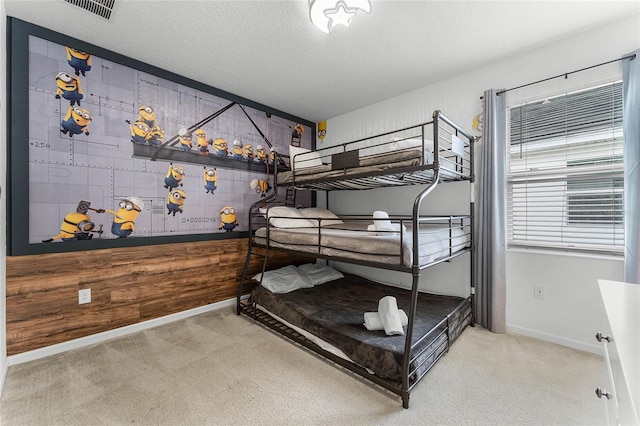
569, 253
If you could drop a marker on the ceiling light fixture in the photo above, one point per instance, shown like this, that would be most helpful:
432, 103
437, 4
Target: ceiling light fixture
326, 14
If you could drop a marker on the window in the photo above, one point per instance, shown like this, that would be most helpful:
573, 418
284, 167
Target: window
565, 178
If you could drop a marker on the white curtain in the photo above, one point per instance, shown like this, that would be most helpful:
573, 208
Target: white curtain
631, 131
491, 249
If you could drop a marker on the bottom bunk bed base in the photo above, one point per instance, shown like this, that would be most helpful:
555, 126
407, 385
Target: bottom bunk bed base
440, 338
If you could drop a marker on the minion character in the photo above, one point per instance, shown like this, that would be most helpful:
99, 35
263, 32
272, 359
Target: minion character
261, 155
175, 201
478, 122
124, 219
69, 88
202, 142
79, 60
174, 177
139, 131
184, 138
272, 155
260, 186
75, 227
75, 121
221, 147
148, 115
322, 129
210, 179
248, 153
228, 219
298, 130
155, 136
237, 149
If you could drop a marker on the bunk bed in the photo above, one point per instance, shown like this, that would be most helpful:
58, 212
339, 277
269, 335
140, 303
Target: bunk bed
321, 308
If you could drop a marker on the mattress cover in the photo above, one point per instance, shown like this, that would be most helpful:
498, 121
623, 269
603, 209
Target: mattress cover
352, 240
334, 312
374, 169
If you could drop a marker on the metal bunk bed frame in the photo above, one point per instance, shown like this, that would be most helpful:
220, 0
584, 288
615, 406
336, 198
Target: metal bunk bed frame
409, 376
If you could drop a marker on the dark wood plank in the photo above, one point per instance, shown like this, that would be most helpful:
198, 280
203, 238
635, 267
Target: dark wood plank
128, 285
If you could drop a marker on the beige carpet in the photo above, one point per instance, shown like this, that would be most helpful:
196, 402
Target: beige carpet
218, 368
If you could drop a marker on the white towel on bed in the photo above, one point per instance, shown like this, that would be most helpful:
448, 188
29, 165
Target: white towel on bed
382, 220
389, 315
383, 226
373, 322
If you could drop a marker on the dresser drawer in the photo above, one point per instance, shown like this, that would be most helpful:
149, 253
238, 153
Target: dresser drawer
607, 391
621, 388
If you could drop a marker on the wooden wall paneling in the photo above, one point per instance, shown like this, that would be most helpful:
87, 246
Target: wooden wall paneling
128, 285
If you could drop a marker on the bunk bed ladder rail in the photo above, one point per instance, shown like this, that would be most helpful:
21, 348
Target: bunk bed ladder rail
252, 250
415, 267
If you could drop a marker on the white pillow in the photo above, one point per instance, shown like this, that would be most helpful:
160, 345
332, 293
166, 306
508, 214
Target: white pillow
320, 274
401, 144
284, 280
289, 217
306, 159
327, 216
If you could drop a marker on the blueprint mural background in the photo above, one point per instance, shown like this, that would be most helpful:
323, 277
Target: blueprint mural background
87, 157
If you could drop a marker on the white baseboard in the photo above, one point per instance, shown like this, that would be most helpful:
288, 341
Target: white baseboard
107, 335
3, 373
575, 344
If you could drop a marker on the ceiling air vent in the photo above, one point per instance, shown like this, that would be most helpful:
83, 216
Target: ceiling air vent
99, 7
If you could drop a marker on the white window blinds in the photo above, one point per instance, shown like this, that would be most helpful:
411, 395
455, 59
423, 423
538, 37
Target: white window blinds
565, 179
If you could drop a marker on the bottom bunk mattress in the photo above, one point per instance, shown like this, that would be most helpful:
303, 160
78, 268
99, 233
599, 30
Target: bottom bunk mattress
334, 313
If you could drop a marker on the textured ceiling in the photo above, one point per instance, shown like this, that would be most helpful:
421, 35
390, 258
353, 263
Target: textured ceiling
269, 51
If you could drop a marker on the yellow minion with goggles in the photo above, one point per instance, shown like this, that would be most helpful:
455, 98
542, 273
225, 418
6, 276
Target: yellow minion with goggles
202, 142
124, 219
184, 137
75, 227
237, 149
228, 219
248, 153
175, 201
69, 88
260, 186
221, 147
261, 154
174, 176
139, 131
80, 61
76, 121
210, 177
148, 115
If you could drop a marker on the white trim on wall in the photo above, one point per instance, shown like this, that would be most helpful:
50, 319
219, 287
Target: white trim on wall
3, 184
111, 334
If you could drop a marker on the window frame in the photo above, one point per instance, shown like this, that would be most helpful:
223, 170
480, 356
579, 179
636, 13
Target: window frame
612, 167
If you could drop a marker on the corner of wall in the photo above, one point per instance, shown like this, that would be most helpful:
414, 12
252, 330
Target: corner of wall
3, 214
3, 183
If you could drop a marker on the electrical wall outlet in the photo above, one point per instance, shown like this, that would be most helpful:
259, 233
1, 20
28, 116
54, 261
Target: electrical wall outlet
84, 296
538, 292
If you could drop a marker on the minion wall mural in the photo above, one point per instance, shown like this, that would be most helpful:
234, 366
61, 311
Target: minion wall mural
124, 218
159, 158
210, 179
260, 186
322, 130
69, 88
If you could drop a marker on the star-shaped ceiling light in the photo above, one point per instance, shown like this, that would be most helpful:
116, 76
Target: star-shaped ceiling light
326, 14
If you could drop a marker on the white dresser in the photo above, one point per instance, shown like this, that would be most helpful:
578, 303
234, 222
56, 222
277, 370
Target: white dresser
620, 337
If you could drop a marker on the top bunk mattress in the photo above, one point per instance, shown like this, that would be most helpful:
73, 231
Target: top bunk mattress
400, 157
